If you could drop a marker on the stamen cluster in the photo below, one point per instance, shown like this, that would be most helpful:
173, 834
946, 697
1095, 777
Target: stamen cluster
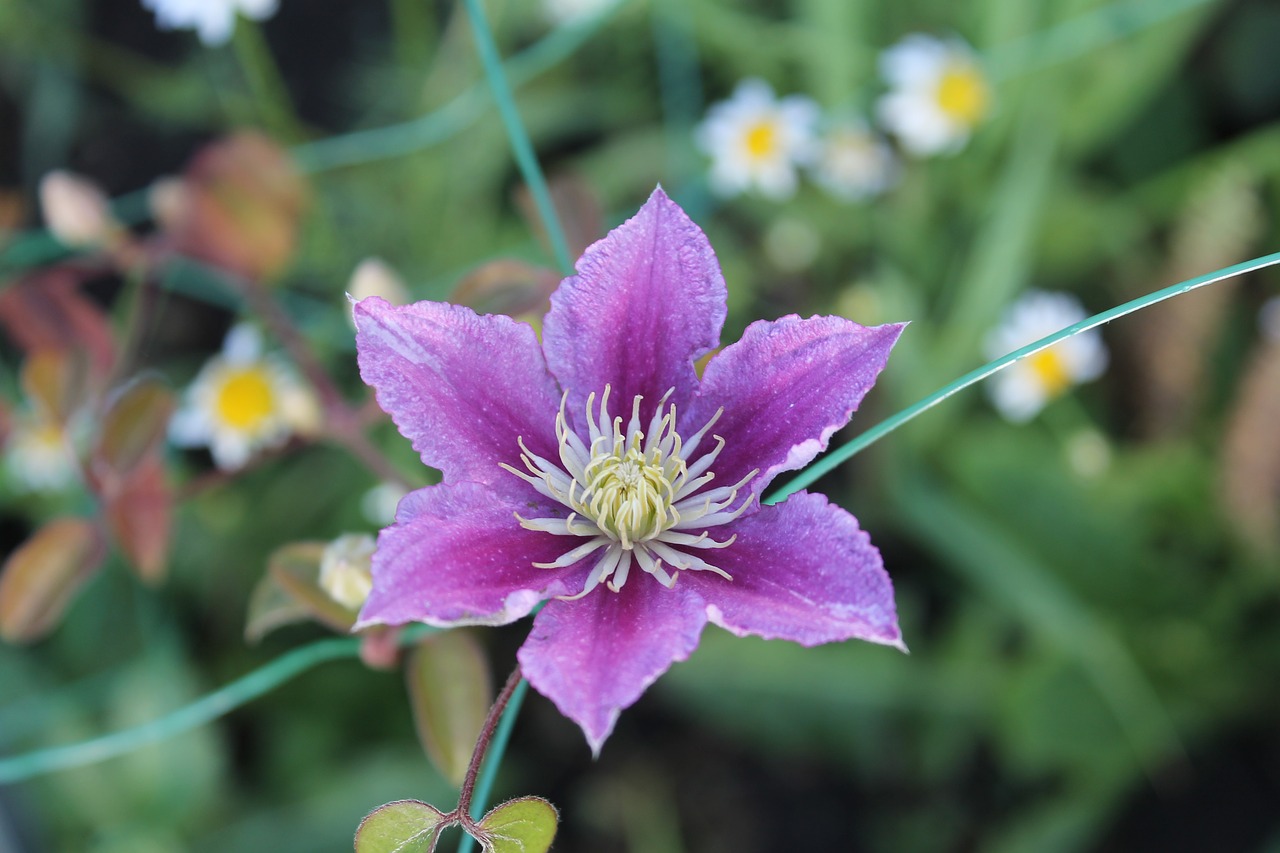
637, 494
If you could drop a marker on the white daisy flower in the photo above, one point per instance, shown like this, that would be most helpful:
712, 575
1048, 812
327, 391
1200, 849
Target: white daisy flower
755, 139
938, 93
39, 455
213, 20
853, 163
1023, 388
242, 402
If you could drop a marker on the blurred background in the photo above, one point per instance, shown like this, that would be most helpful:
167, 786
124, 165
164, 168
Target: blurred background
1091, 593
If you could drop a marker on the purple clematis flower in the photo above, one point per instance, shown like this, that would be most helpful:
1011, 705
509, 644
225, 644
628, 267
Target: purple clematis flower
597, 471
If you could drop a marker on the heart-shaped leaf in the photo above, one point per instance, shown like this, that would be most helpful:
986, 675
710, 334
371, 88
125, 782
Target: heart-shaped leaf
405, 826
524, 825
450, 690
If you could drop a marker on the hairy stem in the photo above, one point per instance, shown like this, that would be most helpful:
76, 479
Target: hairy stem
467, 794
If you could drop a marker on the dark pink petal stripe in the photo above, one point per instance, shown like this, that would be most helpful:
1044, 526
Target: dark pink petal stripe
594, 657
648, 300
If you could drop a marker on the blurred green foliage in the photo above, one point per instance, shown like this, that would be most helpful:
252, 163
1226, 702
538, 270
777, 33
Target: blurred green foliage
1095, 644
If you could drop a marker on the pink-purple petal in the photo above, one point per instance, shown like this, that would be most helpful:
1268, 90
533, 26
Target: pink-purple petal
457, 556
596, 656
786, 386
648, 301
462, 387
803, 571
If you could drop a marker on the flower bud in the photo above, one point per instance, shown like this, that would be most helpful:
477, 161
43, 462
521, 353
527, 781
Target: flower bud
76, 210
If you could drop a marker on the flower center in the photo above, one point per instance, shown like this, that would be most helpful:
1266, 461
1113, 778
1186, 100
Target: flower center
634, 494
761, 140
245, 398
962, 94
1050, 368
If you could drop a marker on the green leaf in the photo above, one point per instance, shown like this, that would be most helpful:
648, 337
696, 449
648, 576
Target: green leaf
524, 825
270, 607
450, 689
405, 826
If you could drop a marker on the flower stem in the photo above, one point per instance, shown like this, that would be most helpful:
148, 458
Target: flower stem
265, 82
521, 147
343, 423
470, 809
845, 452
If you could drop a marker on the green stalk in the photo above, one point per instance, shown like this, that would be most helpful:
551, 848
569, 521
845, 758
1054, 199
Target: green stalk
835, 458
521, 147
198, 713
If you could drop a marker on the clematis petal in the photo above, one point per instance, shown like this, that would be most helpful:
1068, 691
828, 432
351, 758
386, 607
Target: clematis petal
457, 556
462, 387
648, 300
785, 388
803, 571
595, 656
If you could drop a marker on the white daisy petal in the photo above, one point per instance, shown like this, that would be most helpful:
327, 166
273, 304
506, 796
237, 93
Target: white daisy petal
1021, 390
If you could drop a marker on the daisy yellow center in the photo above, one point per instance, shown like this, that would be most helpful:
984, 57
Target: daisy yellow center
761, 140
962, 94
1052, 371
245, 398
635, 495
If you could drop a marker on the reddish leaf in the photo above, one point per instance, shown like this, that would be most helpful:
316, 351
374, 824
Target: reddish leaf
56, 382
239, 206
46, 311
139, 512
133, 426
507, 286
450, 690
577, 207
41, 577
